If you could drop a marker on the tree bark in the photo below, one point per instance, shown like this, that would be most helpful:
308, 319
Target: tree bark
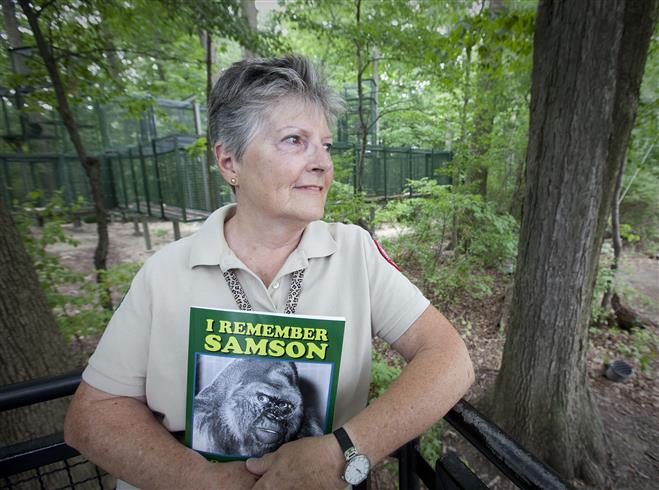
31, 122
90, 164
363, 120
616, 238
250, 14
13, 34
32, 345
485, 110
211, 77
588, 63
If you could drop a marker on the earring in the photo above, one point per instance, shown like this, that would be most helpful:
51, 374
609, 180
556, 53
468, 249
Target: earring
233, 181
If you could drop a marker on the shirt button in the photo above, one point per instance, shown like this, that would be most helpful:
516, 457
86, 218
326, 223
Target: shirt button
275, 285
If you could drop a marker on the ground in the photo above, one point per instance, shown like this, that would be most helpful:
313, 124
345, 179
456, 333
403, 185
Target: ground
629, 409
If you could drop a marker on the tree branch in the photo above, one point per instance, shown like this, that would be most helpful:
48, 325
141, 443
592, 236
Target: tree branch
44, 7
389, 111
638, 169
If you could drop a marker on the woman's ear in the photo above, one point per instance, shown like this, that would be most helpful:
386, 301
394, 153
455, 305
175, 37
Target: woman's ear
227, 164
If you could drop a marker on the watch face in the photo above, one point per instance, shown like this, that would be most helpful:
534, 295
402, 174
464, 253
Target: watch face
357, 469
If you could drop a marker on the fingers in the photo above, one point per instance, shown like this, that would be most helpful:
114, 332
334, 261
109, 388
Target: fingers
258, 466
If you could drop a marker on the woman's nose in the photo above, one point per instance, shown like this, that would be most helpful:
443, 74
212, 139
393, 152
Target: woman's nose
320, 158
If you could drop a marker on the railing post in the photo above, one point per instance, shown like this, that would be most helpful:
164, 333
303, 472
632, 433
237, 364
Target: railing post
182, 181
155, 161
145, 180
133, 176
147, 236
407, 477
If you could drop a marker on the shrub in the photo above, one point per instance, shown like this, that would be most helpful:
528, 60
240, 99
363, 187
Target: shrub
450, 237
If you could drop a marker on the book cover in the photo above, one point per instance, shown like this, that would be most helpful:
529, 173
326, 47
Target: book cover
257, 380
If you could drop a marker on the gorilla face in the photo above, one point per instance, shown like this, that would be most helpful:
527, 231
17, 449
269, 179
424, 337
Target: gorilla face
269, 411
251, 408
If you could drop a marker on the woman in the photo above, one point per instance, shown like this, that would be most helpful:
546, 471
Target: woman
270, 125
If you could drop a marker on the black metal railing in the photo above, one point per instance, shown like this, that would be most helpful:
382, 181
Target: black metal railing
517, 464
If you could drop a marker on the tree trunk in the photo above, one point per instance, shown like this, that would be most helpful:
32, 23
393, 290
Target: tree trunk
617, 240
588, 63
13, 34
90, 164
31, 122
250, 14
32, 345
211, 60
363, 121
485, 110
517, 200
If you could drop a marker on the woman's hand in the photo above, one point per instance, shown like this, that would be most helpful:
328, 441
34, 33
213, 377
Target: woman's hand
312, 462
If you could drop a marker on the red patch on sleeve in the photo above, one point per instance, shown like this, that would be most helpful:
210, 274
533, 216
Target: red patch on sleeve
384, 254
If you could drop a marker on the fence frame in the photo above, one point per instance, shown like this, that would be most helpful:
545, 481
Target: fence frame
516, 463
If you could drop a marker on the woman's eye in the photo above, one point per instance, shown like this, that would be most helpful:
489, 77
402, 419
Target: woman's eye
293, 140
328, 147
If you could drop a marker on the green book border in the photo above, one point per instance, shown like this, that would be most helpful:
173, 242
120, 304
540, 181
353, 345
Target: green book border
198, 330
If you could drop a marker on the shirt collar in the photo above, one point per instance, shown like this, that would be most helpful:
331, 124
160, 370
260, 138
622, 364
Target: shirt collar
209, 247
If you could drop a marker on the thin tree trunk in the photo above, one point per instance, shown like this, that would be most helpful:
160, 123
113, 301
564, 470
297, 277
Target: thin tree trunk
250, 14
485, 109
617, 240
90, 164
209, 48
363, 122
458, 167
517, 201
588, 63
31, 121
114, 64
13, 34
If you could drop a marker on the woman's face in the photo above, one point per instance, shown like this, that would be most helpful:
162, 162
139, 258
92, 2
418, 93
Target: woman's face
286, 170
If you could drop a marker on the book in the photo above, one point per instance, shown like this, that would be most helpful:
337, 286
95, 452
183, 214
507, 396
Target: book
257, 380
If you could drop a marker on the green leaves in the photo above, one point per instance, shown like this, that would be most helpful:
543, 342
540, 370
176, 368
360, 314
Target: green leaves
75, 300
451, 237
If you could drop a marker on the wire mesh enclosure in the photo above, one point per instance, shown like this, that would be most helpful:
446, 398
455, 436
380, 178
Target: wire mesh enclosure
72, 473
151, 160
21, 175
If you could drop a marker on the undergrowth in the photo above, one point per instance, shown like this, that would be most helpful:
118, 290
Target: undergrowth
75, 299
450, 239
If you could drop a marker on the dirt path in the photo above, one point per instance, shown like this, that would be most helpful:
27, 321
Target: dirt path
639, 276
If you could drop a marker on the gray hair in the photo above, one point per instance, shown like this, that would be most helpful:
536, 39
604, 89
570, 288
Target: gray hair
245, 93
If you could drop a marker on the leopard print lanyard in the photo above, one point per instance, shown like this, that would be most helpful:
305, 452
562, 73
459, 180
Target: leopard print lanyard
244, 304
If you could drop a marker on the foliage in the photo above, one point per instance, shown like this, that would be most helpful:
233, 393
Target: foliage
75, 300
641, 345
383, 373
628, 234
344, 205
485, 239
605, 278
53, 215
640, 200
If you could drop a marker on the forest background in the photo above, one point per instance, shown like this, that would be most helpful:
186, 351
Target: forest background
451, 76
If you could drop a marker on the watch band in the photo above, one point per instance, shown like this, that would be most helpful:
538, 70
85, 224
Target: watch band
345, 442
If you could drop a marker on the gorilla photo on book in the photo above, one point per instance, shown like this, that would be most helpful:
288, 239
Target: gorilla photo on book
251, 408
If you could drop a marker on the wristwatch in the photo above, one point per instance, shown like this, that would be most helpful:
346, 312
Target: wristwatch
357, 465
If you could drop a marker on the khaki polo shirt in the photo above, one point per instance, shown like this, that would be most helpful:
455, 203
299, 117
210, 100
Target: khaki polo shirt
143, 352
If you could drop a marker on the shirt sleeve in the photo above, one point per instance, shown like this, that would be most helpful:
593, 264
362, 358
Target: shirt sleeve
119, 364
396, 303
